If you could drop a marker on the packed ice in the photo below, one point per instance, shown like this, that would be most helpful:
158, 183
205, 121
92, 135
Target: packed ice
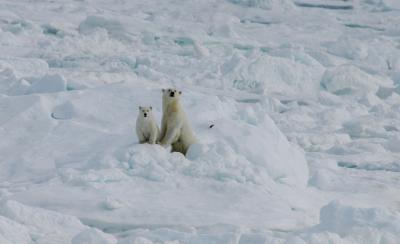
295, 105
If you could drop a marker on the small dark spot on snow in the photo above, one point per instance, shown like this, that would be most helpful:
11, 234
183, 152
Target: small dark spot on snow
347, 165
183, 41
265, 49
324, 6
352, 25
302, 103
248, 100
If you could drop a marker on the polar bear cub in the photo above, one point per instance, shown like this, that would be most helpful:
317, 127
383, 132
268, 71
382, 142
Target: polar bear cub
175, 127
146, 126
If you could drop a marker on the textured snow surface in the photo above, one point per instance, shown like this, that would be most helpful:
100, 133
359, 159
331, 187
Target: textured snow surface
303, 96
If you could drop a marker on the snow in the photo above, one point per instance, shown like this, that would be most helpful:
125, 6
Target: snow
91, 23
295, 104
264, 4
263, 153
24, 224
47, 84
93, 236
343, 80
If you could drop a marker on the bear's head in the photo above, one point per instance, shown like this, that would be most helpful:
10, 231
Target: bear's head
145, 112
171, 94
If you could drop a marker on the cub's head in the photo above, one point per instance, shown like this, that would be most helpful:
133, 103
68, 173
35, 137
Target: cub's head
170, 94
145, 112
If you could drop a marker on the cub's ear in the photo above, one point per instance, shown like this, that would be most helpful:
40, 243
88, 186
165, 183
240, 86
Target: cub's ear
151, 108
180, 92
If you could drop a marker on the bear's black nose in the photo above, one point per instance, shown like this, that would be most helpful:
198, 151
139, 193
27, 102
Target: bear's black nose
172, 94
145, 114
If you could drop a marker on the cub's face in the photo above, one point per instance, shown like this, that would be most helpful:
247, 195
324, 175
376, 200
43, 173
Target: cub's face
145, 112
171, 94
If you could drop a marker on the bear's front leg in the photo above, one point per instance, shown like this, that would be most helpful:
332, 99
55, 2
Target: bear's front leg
170, 135
153, 138
163, 130
141, 137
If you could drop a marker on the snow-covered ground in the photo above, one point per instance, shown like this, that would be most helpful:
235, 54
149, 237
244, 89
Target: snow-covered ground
304, 96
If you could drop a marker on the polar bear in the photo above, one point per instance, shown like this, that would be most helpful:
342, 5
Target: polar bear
175, 127
146, 126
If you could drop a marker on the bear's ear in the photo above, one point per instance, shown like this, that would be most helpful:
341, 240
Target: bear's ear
180, 92
151, 108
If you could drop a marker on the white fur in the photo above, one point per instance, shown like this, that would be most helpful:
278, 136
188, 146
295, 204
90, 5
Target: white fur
175, 127
146, 127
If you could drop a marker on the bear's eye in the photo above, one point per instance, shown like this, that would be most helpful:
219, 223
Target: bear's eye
169, 90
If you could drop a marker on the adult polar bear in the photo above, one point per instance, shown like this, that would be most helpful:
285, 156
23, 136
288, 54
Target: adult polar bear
175, 127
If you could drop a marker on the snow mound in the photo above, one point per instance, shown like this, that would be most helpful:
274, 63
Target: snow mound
393, 144
13, 86
139, 240
114, 28
12, 232
264, 4
218, 233
348, 79
41, 224
24, 224
25, 67
280, 75
347, 47
42, 219
151, 162
250, 154
93, 236
385, 4
72, 74
363, 127
9, 83
47, 84
242, 153
363, 225
64, 111
342, 224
